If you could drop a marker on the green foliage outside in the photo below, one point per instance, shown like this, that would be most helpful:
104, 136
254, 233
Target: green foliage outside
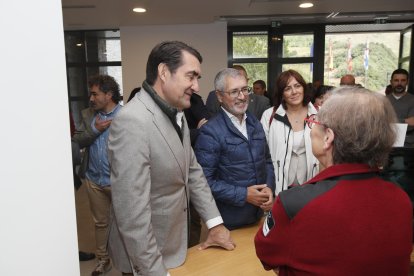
382, 61
383, 56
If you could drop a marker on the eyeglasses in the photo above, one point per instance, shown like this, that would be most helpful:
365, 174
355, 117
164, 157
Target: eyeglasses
311, 121
236, 92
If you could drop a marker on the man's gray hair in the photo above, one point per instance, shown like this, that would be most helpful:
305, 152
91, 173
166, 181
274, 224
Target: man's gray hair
220, 79
362, 123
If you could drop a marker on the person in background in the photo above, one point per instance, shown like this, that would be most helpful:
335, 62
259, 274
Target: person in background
257, 103
93, 135
388, 89
287, 134
346, 220
196, 116
76, 160
347, 80
259, 88
154, 172
403, 103
321, 95
232, 150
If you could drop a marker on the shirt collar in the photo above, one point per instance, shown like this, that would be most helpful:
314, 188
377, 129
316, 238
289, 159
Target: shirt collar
234, 118
110, 112
165, 107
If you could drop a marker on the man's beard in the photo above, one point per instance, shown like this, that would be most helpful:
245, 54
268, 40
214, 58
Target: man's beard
399, 89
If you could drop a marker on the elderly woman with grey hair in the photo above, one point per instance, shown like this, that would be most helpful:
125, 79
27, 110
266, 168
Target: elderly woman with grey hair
346, 220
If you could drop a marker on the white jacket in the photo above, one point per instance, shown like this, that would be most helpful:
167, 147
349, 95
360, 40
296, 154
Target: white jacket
279, 137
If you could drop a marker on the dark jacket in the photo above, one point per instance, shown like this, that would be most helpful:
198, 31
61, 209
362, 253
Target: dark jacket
231, 163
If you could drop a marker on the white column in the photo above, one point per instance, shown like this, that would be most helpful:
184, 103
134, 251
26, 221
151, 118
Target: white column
37, 206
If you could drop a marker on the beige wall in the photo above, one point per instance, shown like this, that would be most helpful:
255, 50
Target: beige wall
137, 42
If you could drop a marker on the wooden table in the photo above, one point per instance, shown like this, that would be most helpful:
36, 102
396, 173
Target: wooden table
219, 262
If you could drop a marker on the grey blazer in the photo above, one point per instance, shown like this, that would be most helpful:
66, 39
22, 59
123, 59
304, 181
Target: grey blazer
153, 176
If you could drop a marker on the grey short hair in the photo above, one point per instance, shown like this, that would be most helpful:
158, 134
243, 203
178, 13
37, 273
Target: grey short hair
362, 123
220, 79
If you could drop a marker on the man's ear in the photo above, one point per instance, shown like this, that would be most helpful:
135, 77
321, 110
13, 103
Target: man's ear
328, 138
162, 71
219, 96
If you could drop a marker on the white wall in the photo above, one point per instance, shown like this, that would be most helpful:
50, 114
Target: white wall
137, 42
37, 207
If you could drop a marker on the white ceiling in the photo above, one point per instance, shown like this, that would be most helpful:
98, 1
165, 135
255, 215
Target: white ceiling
112, 14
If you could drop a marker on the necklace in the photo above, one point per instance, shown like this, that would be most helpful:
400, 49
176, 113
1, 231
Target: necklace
295, 118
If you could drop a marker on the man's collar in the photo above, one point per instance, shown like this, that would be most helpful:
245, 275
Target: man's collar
233, 117
110, 112
165, 107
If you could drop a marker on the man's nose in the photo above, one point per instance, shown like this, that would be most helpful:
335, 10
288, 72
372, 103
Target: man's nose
195, 86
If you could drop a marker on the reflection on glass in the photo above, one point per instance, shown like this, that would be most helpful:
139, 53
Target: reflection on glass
255, 71
250, 45
406, 44
76, 79
297, 45
305, 69
74, 47
103, 46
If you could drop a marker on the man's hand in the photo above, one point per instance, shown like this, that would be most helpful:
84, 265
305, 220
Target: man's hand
409, 121
267, 206
218, 236
101, 125
256, 195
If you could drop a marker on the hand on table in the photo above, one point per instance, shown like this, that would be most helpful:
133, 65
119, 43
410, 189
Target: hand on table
218, 236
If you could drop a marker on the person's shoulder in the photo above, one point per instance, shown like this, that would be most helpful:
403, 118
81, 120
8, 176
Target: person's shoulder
268, 112
262, 99
296, 198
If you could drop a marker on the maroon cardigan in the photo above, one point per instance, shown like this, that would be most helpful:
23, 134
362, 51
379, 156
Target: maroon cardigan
344, 221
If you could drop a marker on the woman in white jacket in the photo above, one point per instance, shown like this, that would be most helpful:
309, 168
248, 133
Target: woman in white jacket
287, 134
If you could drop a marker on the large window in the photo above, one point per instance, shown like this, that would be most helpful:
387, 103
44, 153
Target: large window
89, 53
323, 53
370, 57
250, 49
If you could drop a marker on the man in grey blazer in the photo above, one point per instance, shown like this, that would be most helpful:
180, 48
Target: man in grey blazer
154, 172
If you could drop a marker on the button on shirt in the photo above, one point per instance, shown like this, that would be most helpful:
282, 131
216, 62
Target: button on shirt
98, 167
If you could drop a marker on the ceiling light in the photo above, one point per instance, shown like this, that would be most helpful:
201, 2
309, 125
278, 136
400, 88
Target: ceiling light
139, 10
79, 44
306, 5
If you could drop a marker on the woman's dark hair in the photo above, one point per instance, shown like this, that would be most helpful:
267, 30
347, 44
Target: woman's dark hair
170, 53
106, 84
322, 90
281, 83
